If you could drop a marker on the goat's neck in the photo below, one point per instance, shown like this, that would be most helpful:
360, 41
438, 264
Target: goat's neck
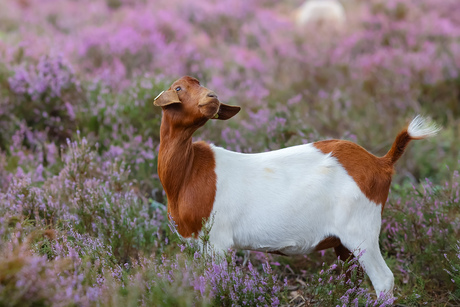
175, 159
187, 173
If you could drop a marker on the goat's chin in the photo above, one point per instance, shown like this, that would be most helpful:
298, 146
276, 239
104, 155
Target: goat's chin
209, 110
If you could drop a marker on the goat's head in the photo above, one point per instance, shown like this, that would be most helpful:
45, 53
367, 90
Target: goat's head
188, 104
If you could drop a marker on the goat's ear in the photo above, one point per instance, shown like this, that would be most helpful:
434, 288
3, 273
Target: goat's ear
226, 111
166, 98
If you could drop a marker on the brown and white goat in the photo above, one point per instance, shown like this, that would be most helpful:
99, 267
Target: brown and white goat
327, 194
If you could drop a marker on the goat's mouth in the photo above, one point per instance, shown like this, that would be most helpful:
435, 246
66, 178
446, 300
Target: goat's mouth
209, 101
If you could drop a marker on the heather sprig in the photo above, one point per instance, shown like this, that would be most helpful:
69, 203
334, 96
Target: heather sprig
453, 269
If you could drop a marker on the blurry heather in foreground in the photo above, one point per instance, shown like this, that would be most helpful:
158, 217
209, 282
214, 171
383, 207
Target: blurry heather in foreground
82, 215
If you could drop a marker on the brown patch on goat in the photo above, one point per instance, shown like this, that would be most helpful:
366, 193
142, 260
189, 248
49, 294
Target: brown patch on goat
328, 243
190, 185
334, 242
372, 174
277, 253
343, 253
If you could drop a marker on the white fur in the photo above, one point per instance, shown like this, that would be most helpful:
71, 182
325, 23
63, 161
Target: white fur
422, 127
328, 11
289, 200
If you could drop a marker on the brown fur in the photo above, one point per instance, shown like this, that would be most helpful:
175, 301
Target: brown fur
276, 253
343, 253
328, 243
334, 242
189, 180
400, 144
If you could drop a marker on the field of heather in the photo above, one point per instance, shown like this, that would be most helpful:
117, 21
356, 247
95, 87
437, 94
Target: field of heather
82, 211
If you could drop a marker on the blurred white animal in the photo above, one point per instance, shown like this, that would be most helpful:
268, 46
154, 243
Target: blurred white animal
320, 12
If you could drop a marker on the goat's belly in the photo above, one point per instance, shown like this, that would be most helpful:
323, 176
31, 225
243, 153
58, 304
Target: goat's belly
274, 224
289, 235
283, 247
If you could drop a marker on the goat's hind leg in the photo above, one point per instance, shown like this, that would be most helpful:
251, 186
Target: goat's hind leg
370, 258
345, 255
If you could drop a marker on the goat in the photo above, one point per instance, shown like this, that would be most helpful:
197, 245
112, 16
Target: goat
327, 194
323, 12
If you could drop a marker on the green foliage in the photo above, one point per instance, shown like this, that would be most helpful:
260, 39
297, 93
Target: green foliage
453, 269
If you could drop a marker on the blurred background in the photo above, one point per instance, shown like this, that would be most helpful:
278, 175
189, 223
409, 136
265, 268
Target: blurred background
79, 134
360, 74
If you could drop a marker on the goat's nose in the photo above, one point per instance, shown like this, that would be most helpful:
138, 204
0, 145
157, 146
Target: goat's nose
212, 95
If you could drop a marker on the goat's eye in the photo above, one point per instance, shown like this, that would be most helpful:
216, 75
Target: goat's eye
178, 88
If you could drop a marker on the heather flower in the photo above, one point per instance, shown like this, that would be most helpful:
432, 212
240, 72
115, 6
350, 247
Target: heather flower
52, 75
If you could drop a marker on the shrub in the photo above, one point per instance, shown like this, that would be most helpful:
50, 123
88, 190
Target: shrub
45, 96
420, 222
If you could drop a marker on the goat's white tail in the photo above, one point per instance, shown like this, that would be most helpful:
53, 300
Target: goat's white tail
419, 128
